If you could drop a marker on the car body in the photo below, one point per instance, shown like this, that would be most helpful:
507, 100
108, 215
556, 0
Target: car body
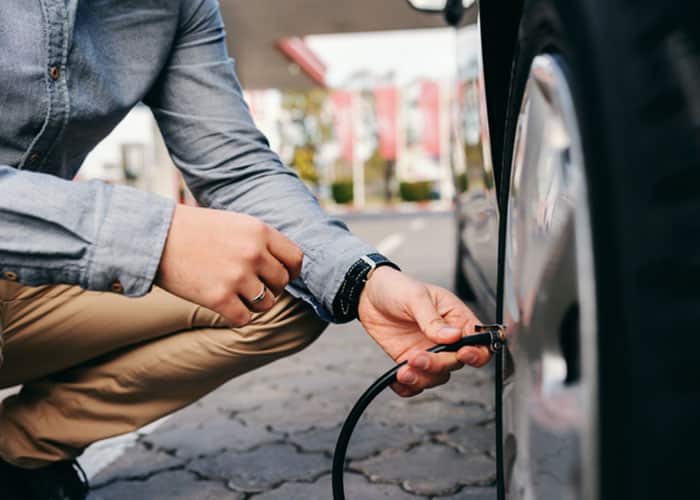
540, 444
485, 52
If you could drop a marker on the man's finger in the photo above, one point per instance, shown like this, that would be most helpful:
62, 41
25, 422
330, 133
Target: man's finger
235, 312
287, 252
421, 380
252, 291
474, 356
405, 391
273, 274
442, 362
431, 322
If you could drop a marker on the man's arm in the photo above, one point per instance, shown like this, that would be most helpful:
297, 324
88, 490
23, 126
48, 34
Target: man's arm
79, 233
228, 165
227, 162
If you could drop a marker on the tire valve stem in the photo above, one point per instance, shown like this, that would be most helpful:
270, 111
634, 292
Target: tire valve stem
498, 335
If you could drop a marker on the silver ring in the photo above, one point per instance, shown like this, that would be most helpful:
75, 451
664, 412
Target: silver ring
259, 297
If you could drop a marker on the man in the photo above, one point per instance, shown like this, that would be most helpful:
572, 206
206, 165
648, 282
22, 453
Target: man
118, 307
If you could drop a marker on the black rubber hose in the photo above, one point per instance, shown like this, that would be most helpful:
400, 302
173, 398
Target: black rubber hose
341, 447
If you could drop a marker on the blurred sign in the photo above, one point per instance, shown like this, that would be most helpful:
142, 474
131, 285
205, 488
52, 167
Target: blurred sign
429, 102
387, 103
344, 122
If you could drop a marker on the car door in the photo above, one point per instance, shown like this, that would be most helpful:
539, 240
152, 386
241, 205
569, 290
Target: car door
476, 199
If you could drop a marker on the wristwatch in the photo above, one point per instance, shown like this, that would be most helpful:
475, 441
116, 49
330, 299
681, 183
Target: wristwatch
348, 296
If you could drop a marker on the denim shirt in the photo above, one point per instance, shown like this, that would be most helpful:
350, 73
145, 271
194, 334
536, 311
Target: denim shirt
70, 71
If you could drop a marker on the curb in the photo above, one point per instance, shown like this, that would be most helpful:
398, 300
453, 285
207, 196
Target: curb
396, 208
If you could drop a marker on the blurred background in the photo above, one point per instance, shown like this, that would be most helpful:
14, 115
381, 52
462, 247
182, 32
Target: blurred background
361, 98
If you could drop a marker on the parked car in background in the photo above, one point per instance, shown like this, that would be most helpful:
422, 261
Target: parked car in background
577, 167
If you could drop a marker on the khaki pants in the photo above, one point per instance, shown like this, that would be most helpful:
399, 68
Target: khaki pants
95, 365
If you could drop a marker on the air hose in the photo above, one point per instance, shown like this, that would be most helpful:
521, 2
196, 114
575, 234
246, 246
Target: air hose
485, 335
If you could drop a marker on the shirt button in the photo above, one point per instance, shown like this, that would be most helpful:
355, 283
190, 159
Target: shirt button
55, 73
9, 276
117, 287
34, 157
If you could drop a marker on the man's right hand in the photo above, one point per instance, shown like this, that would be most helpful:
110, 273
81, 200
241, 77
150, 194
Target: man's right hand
221, 260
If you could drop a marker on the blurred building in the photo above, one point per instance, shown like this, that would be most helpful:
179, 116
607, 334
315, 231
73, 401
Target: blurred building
363, 117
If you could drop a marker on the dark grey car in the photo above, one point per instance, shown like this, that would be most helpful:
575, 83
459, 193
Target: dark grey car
576, 159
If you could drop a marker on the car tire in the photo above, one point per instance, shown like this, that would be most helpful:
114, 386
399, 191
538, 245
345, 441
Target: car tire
634, 71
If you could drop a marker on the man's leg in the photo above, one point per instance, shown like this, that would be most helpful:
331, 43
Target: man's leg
96, 365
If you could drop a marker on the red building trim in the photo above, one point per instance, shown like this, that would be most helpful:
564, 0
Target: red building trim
297, 50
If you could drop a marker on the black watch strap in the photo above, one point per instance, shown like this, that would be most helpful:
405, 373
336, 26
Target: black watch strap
348, 296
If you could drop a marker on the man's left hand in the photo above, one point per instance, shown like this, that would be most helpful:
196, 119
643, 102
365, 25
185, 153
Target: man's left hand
406, 317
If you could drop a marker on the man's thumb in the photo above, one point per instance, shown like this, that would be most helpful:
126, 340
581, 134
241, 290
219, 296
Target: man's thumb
431, 323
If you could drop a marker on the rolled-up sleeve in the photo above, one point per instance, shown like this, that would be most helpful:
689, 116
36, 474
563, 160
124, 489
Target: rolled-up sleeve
89, 234
227, 162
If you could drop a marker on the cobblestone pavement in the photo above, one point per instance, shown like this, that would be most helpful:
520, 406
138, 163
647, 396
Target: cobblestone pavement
270, 434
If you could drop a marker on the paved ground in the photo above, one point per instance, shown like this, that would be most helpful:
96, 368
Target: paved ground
270, 434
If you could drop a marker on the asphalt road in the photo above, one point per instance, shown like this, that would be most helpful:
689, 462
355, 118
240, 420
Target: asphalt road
270, 434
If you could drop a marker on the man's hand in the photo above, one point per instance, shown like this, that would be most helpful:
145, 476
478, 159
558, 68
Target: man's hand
406, 317
221, 260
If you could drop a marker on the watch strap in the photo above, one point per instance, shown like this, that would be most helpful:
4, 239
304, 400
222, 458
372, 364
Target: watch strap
348, 296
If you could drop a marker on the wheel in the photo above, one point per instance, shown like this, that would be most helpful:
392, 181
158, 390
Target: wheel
599, 251
549, 301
